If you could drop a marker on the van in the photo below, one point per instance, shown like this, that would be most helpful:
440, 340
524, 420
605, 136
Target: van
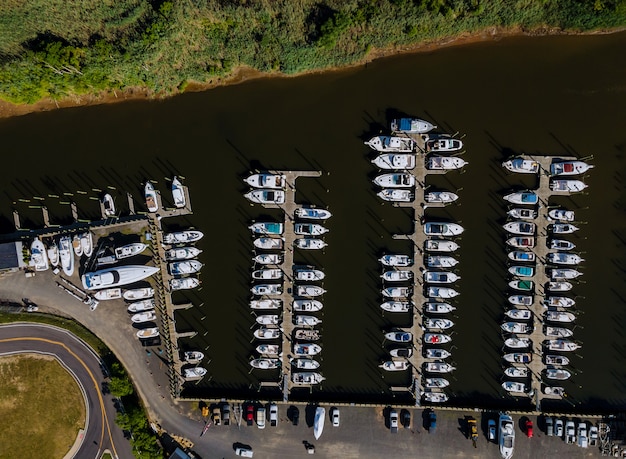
260, 418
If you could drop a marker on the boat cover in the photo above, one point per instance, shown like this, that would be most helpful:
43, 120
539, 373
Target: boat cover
405, 124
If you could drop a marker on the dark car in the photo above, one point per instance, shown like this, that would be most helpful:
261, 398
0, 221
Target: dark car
406, 418
295, 415
250, 415
432, 422
226, 414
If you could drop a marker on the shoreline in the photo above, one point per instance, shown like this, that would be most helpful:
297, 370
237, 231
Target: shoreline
243, 74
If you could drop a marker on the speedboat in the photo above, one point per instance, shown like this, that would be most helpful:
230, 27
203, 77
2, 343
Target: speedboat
561, 345
268, 259
569, 167
142, 317
558, 332
440, 197
401, 352
267, 274
86, 241
557, 274
396, 260
387, 144
396, 195
114, 293
559, 301
140, 306
268, 349
395, 161
185, 283
267, 333
191, 374
521, 242
522, 214
516, 372
396, 180
178, 193
267, 289
53, 254
309, 290
521, 255
438, 324
274, 181
521, 300
562, 228
318, 424
307, 305
308, 334
265, 364
395, 365
267, 319
306, 349
560, 316
523, 285
518, 357
436, 353
262, 196
516, 327
308, 273
438, 367
182, 237
441, 261
519, 314
443, 144
193, 357
434, 383
306, 364
556, 360
514, 387
436, 338
180, 268
435, 397
411, 126
440, 277
399, 337
397, 292
438, 308
559, 374
266, 304
309, 229
309, 243
521, 166
444, 163
397, 306
397, 275
561, 215
557, 391
182, 253
442, 229
441, 292
521, 228
522, 271
151, 197
517, 343
567, 185
312, 213
564, 258
129, 250
77, 246
38, 256
432, 245
308, 321
66, 255
116, 277
109, 205
146, 333
268, 243
561, 244
525, 198
266, 228
559, 286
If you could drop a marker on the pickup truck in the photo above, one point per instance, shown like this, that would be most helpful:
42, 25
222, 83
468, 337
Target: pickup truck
570, 432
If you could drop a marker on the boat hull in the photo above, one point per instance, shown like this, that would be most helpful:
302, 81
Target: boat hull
117, 277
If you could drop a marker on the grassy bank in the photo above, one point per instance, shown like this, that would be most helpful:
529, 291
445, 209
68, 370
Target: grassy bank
56, 49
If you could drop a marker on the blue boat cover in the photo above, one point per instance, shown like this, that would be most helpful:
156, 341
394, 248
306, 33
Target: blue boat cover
405, 124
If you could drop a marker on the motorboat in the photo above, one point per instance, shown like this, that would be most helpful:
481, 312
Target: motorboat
522, 166
147, 333
560, 316
309, 244
267, 319
388, 144
521, 300
559, 302
445, 163
309, 290
304, 320
570, 186
441, 292
318, 423
563, 345
117, 277
395, 180
312, 213
561, 215
441, 261
562, 228
309, 229
443, 144
77, 246
265, 363
401, 352
561, 244
519, 314
438, 367
569, 167
395, 365
434, 383
558, 332
114, 293
564, 258
182, 253
38, 256
267, 289
306, 364
396, 260
551, 359
181, 268
273, 181
307, 305
438, 308
437, 353
262, 196
442, 229
307, 273
397, 306
178, 193
516, 372
129, 250
522, 271
86, 242
435, 397
399, 337
516, 327
521, 228
193, 357
411, 126
267, 228
186, 283
517, 343
306, 349
521, 242
514, 387
182, 237
397, 292
195, 373
307, 334
268, 349
397, 275
108, 205
395, 161
53, 254
142, 317
523, 285
396, 195
266, 304
557, 274
267, 333
269, 243
436, 338
440, 277
437, 324
268, 259
438, 245
522, 214
518, 357
151, 197
560, 286
557, 391
66, 255
522, 255
440, 197
267, 274
141, 306
525, 198
559, 374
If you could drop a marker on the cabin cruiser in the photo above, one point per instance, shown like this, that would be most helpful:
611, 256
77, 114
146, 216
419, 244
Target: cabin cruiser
567, 185
436, 353
411, 126
522, 166
306, 378
86, 242
266, 304
441, 261
522, 214
396, 260
307, 305
516, 327
396, 306
563, 345
192, 374
387, 144
561, 215
521, 228
77, 246
116, 277
440, 277
401, 352
142, 317
151, 197
262, 196
519, 314
306, 364
182, 253
186, 283
559, 374
438, 367
395, 180
396, 195
442, 229
140, 306
66, 257
435, 397
182, 237
273, 181
443, 144
309, 244
130, 250
267, 274
264, 332
266, 228
562, 228
440, 197
438, 308
556, 360
438, 324
522, 255
441, 292
395, 365
569, 167
522, 271
523, 285
268, 349
399, 337
306, 349
564, 258
518, 357
308, 321
147, 333
516, 372
397, 275
308, 273
558, 332
444, 163
108, 205
193, 357
559, 301
525, 198
561, 244
560, 316
309, 290
268, 259
38, 256
178, 193
556, 274
397, 292
265, 364
521, 300
318, 423
514, 387
559, 286
521, 242
267, 319
432, 245
267, 289
436, 338
395, 161
436, 383
517, 343
268, 243
309, 229
181, 268
308, 334
554, 390
312, 213
108, 294
53, 254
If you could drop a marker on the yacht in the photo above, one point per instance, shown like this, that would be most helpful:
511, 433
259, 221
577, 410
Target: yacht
267, 333
440, 197
108, 294
436, 353
397, 292
318, 423
516, 372
53, 254
441, 261
521, 228
438, 308
436, 338
306, 378
518, 357
304, 320
521, 300
309, 243
559, 301
441, 292
192, 374
117, 277
262, 196
129, 250
399, 337
554, 390
77, 246
186, 283
309, 290
142, 317
397, 275
442, 229
396, 306
147, 333
569, 167
519, 314
411, 126
395, 365
443, 144
516, 327
445, 163
193, 357
559, 374
522, 255
268, 349
66, 255
265, 364
558, 332
303, 349
308, 273
267, 319
308, 334
562, 345
401, 352
514, 387
435, 397
306, 364
396, 195
309, 229
396, 260
273, 181
556, 360
86, 242
570, 186
182, 253
561, 215
436, 383
266, 304
181, 268
560, 286
312, 213
182, 237
395, 180
178, 193
108, 205
269, 243
267, 274
438, 324
517, 343
267, 289
140, 306
440, 277
523, 285
268, 259
560, 316
562, 228
267, 228
557, 274
561, 244
307, 305
433, 245
388, 144
38, 256
151, 197
522, 214
438, 367
564, 258
395, 161
522, 271
526, 198
522, 166
521, 242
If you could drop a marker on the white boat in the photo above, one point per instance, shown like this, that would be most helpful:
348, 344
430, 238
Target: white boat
440, 277
522, 271
267, 228
569, 167
516, 372
318, 424
304, 320
312, 213
523, 285
441, 292
38, 256
516, 327
77, 246
397, 306
182, 253
441, 261
185, 283
399, 336
564, 258
438, 308
116, 277
273, 181
522, 255
309, 229
268, 349
53, 254
432, 245
397, 292
308, 273
436, 338
397, 275
267, 319
443, 144
560, 286
309, 290
556, 360
558, 332
268, 243
436, 353
267, 289
521, 228
440, 197
66, 255
559, 374
268, 259
435, 397
567, 185
395, 161
195, 373
146, 333
435, 383
306, 349
521, 166
559, 302
307, 305
142, 317
561, 244
267, 274
129, 250
554, 390
522, 214
180, 268
193, 357
438, 324
265, 364
395, 365
562, 228
562, 215
140, 306
267, 333
309, 244
560, 316
521, 300
438, 367
525, 198
396, 195
306, 364
388, 144
395, 180
519, 314
108, 294
411, 126
108, 205
151, 197
444, 163
178, 193
262, 196
518, 357
266, 304
401, 352
308, 334
396, 260
442, 229
514, 387
517, 343
556, 274
521, 242
182, 237
561, 345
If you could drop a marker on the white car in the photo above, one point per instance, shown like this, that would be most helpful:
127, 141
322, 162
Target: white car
260, 418
273, 415
335, 417
393, 421
583, 441
558, 428
491, 430
570, 432
244, 452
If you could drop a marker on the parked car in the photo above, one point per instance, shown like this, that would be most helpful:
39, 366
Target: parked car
250, 415
549, 426
491, 430
244, 452
226, 414
583, 441
295, 415
593, 436
406, 418
216, 416
273, 415
335, 417
260, 418
570, 432
432, 419
558, 428
529, 428
393, 421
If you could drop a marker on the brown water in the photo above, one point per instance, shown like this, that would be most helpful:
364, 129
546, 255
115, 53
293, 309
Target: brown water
558, 95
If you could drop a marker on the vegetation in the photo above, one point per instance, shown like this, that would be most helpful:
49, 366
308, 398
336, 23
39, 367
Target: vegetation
55, 48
